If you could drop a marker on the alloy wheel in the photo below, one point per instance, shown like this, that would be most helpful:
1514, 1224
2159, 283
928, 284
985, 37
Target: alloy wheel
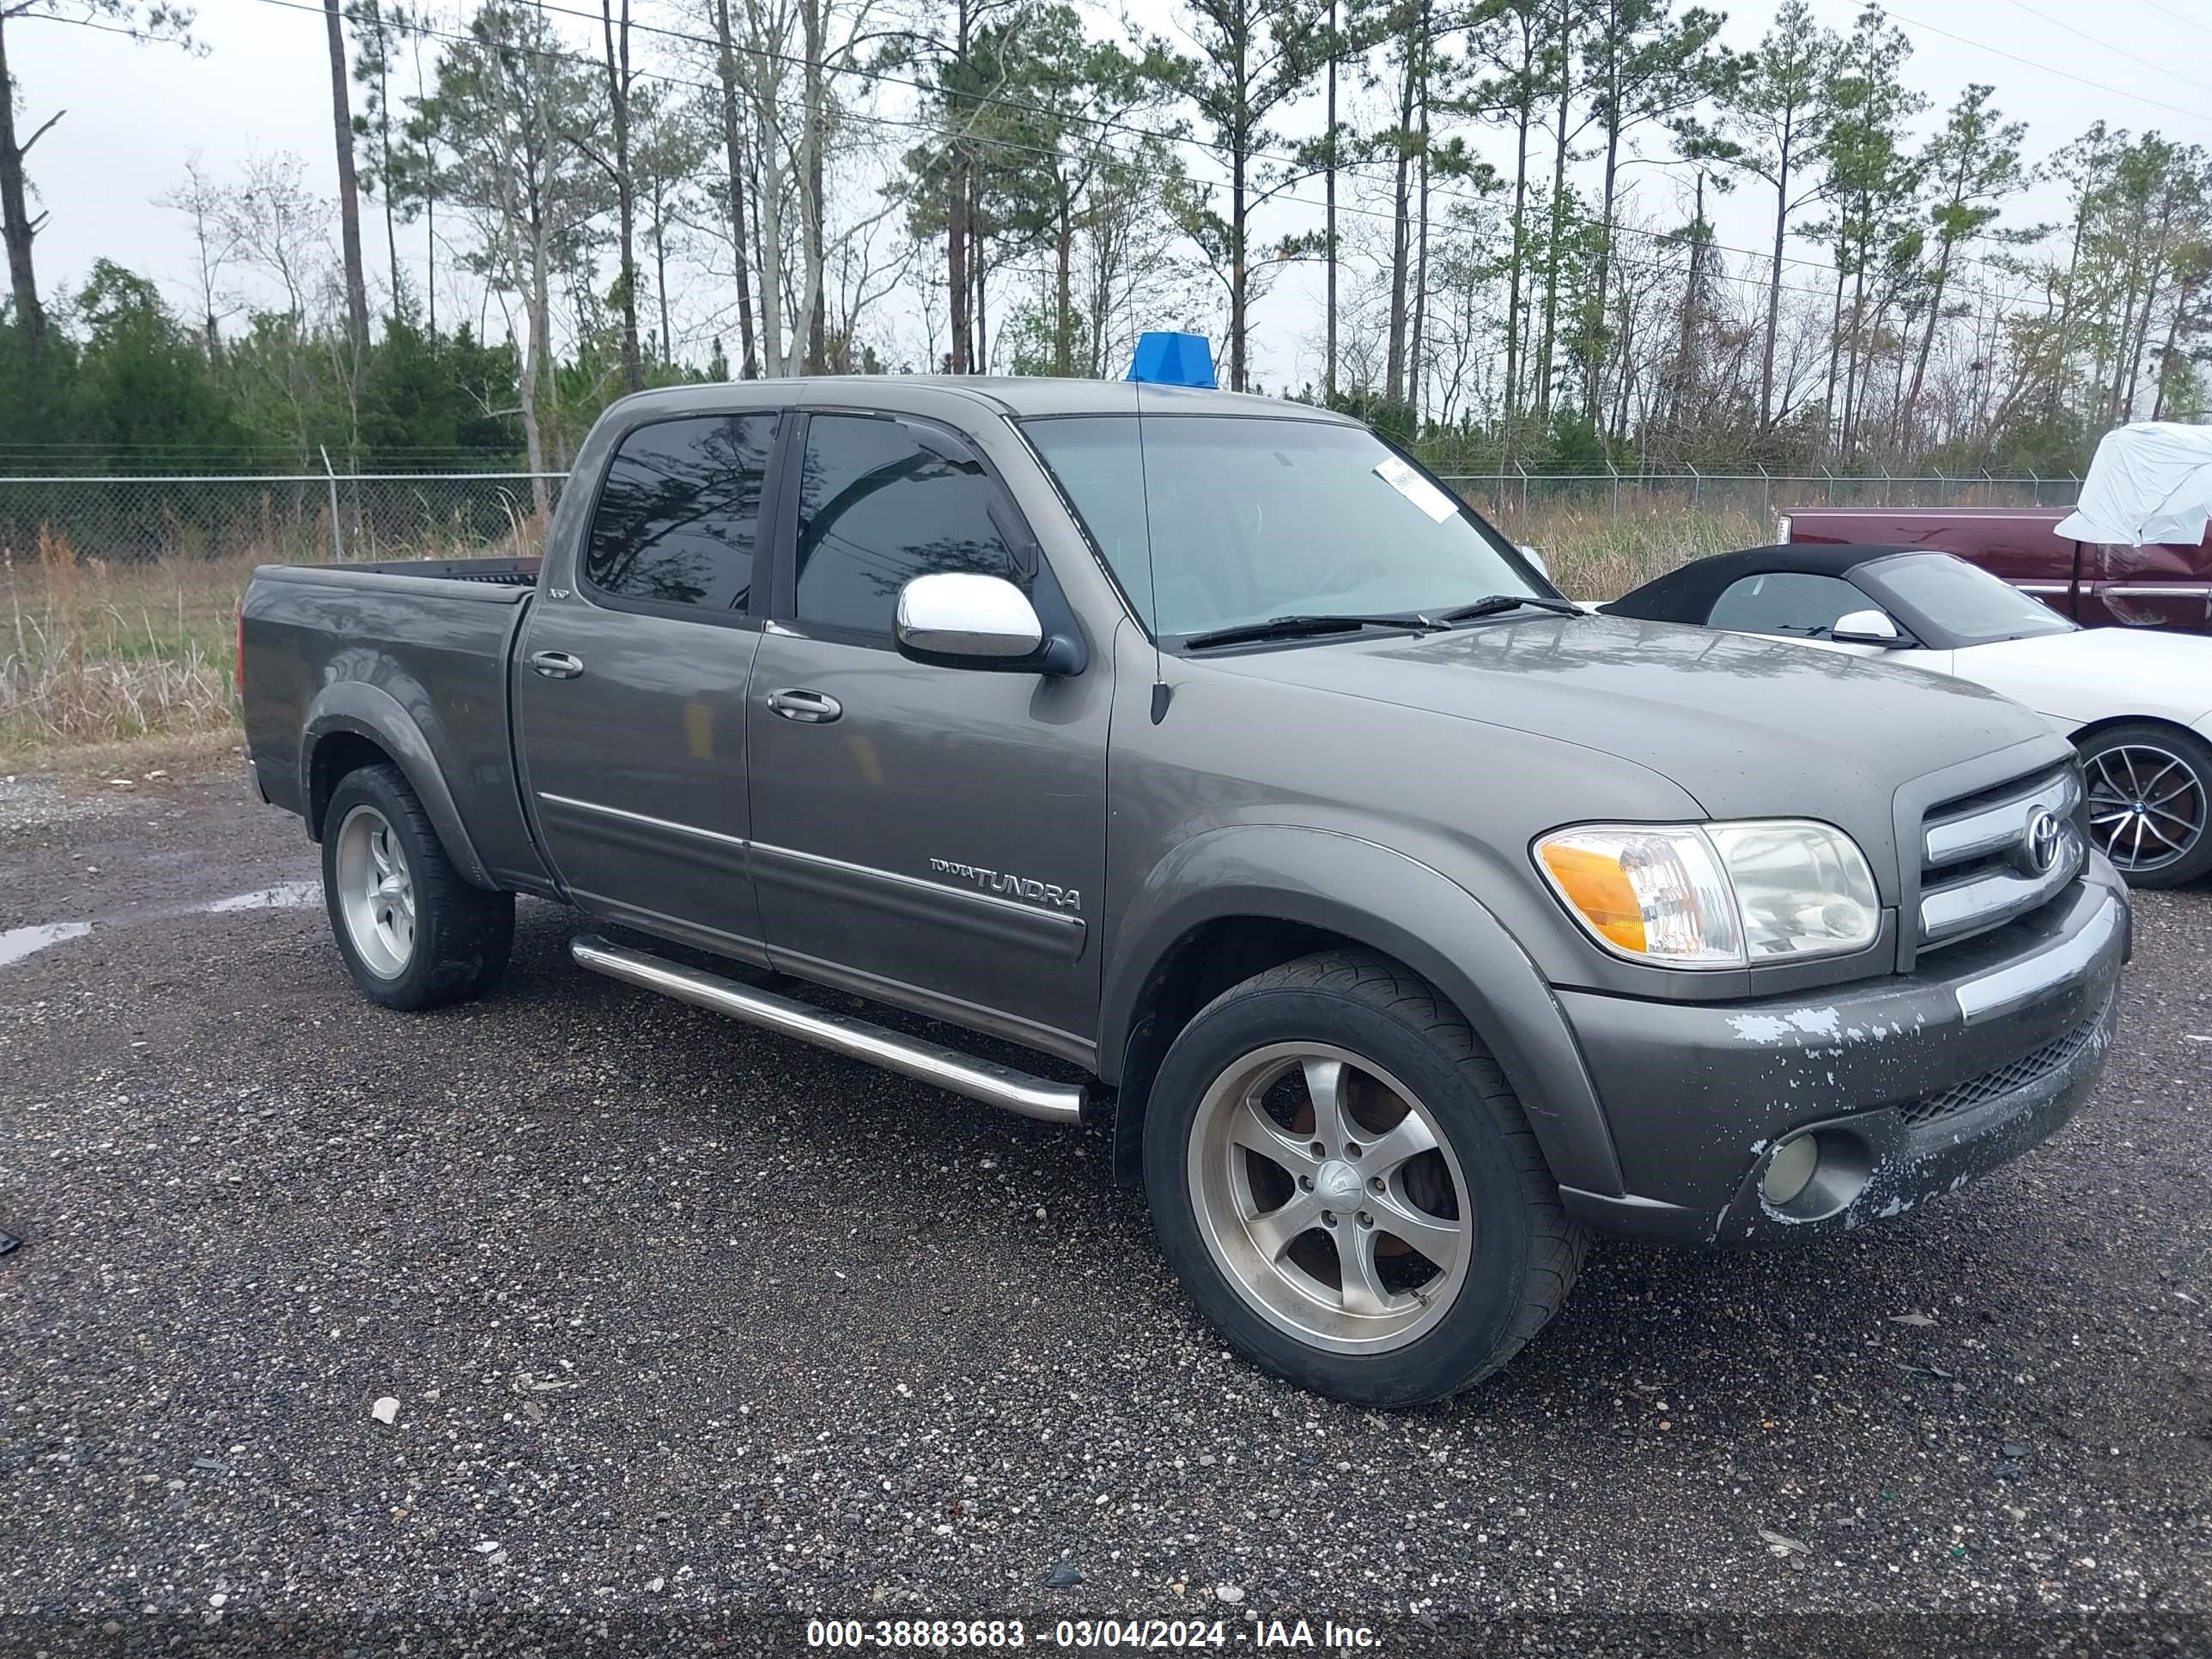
1330, 1197
375, 892
2147, 806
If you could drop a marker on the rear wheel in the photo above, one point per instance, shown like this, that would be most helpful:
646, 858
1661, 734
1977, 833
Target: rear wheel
413, 933
2150, 801
1346, 1186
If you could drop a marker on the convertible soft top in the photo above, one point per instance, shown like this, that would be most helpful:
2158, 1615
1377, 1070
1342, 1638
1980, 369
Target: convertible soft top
1687, 594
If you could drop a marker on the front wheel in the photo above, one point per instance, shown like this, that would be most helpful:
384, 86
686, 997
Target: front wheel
413, 933
1345, 1185
2150, 798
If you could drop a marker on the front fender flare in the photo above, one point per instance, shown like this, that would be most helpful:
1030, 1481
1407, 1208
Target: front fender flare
373, 713
1401, 908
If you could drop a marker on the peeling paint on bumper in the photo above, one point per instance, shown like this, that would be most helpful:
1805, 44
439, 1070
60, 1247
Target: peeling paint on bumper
1696, 1094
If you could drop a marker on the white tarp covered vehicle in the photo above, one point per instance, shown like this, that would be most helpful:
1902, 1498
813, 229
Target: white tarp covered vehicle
2149, 481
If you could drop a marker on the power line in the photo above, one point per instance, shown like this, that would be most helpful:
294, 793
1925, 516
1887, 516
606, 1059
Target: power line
2178, 17
1105, 124
2194, 86
2083, 80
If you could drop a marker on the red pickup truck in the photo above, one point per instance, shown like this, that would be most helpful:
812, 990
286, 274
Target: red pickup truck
2163, 585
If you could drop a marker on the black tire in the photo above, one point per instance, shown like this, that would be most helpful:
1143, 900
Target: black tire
2118, 753
461, 935
1521, 1250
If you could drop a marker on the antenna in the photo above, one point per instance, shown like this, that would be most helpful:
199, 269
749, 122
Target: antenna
1163, 359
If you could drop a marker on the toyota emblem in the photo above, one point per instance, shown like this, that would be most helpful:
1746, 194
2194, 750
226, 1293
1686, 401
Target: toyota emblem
2040, 843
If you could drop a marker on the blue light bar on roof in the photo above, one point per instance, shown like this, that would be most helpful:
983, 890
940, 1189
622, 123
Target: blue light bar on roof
1166, 359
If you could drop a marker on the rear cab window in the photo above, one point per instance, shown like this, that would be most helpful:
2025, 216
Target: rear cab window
677, 525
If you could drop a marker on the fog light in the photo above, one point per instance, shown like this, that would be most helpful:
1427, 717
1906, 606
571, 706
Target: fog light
1790, 1170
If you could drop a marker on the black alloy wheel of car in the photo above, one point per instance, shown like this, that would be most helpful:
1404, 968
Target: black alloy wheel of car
2150, 801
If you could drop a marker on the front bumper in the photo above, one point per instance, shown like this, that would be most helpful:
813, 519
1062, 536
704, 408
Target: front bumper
1913, 1084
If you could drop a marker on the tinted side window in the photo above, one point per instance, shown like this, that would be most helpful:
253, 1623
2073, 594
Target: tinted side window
679, 514
1787, 602
877, 509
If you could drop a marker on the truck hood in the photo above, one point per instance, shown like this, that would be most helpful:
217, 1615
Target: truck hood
1749, 728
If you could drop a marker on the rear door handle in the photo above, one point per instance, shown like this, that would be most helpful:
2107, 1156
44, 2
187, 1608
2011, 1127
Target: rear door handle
811, 708
556, 665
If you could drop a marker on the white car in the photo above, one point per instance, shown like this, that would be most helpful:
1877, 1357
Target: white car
2137, 702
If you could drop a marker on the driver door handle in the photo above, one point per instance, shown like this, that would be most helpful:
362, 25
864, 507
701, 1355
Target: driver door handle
809, 708
556, 665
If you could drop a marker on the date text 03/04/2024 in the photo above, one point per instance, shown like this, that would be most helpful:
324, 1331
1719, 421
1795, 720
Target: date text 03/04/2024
1094, 1634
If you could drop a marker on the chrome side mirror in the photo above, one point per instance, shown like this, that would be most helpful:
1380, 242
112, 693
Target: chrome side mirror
1535, 556
1868, 627
959, 620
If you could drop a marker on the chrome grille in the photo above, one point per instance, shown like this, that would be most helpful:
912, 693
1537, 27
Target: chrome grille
2017, 1074
1993, 856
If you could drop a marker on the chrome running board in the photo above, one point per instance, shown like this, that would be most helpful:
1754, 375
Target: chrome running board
963, 1074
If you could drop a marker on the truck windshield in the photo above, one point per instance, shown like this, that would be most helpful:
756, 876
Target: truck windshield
1952, 604
1252, 519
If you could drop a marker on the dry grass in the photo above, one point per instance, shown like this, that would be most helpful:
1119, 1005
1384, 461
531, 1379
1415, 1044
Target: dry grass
1596, 554
99, 653
93, 652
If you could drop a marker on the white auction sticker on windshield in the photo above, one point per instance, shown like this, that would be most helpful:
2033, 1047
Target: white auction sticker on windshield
1415, 489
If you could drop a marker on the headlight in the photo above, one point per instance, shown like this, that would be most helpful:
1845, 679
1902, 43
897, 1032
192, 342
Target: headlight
1717, 895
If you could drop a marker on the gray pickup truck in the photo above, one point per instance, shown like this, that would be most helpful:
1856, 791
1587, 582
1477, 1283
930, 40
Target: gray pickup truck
1407, 923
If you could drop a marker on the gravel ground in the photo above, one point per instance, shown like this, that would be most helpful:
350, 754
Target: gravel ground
696, 1334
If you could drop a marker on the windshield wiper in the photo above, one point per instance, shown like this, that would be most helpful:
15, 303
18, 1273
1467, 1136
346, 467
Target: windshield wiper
1494, 604
1299, 626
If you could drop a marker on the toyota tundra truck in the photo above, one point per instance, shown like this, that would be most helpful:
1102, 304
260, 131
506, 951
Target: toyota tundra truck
1403, 924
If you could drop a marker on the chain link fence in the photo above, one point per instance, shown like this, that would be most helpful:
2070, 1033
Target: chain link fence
291, 518
1758, 496
313, 517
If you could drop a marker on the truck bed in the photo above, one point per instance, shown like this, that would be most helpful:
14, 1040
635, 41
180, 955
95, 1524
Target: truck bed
332, 653
501, 573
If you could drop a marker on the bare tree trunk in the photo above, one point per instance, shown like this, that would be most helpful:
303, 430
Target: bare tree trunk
1238, 161
2137, 341
1394, 371
1774, 277
429, 205
1851, 370
1835, 348
384, 142
1413, 378
1909, 412
1063, 329
1543, 384
771, 222
982, 324
813, 209
1593, 311
15, 208
534, 357
2115, 402
2185, 296
349, 188
660, 280
955, 265
733, 157
1510, 407
617, 45
1328, 235
2062, 345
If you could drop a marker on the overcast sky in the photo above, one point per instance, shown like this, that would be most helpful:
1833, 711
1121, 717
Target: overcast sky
136, 113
